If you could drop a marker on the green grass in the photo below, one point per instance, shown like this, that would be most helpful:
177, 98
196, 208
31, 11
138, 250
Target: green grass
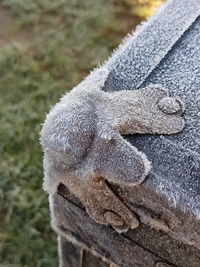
64, 39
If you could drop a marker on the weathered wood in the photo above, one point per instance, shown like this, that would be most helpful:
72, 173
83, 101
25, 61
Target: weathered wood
76, 223
70, 255
160, 243
91, 260
73, 222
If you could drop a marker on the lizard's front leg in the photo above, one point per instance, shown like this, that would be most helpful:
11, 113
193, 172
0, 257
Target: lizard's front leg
148, 110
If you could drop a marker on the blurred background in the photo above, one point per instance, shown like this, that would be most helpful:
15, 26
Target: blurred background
46, 48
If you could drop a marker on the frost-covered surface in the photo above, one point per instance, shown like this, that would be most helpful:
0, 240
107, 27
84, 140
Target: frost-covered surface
165, 50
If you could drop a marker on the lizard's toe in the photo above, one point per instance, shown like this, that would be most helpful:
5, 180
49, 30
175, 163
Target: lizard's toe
170, 105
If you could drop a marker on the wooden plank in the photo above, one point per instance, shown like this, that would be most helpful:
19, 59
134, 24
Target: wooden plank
70, 255
73, 222
159, 243
91, 260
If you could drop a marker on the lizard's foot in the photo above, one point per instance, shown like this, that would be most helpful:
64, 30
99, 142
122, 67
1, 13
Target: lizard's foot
162, 113
105, 207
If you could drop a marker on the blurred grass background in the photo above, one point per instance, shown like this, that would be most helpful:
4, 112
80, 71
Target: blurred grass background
46, 47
